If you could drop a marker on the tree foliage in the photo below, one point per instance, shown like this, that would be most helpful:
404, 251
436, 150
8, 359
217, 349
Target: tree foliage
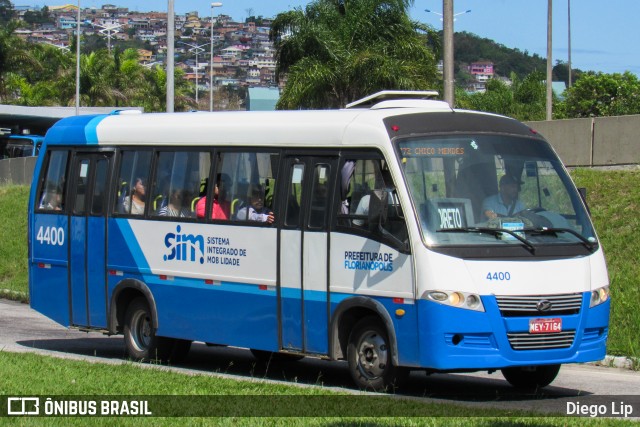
524, 99
599, 94
38, 75
7, 12
336, 51
470, 48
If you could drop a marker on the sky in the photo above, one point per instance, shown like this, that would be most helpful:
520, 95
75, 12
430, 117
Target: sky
604, 34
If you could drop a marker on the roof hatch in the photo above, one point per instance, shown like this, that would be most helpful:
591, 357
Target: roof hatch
395, 95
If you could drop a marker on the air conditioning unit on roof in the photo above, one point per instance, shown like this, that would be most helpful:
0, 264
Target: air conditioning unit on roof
395, 95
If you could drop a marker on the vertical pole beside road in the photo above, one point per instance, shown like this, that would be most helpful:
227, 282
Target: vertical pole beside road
549, 63
78, 61
447, 22
171, 28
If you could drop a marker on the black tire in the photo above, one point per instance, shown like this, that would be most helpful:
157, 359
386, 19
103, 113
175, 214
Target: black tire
140, 336
531, 377
369, 356
270, 356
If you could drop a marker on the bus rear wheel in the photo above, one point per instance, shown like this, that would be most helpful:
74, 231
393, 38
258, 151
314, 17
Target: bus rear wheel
369, 357
139, 334
531, 377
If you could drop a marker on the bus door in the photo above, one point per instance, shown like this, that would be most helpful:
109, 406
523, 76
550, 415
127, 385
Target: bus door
303, 245
87, 239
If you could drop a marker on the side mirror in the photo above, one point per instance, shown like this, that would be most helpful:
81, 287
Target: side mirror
583, 195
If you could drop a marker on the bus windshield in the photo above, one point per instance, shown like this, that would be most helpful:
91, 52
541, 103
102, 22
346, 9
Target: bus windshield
492, 190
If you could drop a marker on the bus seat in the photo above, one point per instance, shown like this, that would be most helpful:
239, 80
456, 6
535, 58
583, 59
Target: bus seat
123, 192
193, 203
159, 202
236, 204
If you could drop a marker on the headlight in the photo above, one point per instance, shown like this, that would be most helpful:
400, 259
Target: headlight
455, 299
599, 296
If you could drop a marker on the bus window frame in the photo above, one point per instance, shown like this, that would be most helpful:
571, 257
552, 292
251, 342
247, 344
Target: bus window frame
153, 181
335, 226
217, 164
118, 153
44, 171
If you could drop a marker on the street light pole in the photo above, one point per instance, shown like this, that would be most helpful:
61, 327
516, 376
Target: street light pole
213, 6
195, 48
108, 31
549, 64
447, 23
447, 27
78, 61
171, 28
569, 29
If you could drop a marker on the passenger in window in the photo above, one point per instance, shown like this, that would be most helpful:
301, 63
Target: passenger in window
256, 211
362, 209
221, 207
135, 203
505, 203
52, 200
176, 207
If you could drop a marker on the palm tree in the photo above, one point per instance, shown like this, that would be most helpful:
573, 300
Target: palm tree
153, 94
129, 75
336, 51
15, 58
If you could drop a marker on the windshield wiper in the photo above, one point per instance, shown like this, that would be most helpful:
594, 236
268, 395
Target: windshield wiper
552, 230
497, 232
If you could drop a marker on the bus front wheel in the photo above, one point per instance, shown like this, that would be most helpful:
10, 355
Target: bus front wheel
139, 335
369, 357
531, 377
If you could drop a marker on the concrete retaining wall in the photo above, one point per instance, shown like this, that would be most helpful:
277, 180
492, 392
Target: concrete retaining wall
17, 171
602, 141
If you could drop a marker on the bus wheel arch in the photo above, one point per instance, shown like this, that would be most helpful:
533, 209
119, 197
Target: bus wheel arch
348, 313
123, 294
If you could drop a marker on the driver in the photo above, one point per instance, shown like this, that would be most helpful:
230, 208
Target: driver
505, 203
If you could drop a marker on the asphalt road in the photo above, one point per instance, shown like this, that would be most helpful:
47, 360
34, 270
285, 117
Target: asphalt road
24, 330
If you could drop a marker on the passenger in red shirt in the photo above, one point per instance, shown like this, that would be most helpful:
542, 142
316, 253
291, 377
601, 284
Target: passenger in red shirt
221, 207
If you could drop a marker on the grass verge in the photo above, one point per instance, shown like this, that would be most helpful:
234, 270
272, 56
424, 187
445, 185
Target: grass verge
36, 375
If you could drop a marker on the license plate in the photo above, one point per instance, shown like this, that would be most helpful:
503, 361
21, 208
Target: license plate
545, 326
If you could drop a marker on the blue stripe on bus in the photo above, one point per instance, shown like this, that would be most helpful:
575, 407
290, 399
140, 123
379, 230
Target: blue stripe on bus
74, 130
90, 130
128, 245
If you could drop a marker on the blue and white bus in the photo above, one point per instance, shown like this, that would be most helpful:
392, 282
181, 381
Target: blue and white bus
13, 146
395, 234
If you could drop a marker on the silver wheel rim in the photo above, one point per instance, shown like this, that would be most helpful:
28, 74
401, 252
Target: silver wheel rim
372, 355
141, 330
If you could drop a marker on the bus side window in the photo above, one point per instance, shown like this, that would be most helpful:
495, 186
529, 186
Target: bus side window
131, 196
51, 197
363, 182
249, 182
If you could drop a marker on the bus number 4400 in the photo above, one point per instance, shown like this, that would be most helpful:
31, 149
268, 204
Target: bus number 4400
500, 276
50, 235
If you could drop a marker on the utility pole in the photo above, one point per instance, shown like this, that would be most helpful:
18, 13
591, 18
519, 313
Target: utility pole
569, 29
447, 23
549, 63
171, 29
78, 61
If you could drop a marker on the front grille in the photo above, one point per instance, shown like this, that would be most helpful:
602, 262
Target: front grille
526, 305
526, 341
